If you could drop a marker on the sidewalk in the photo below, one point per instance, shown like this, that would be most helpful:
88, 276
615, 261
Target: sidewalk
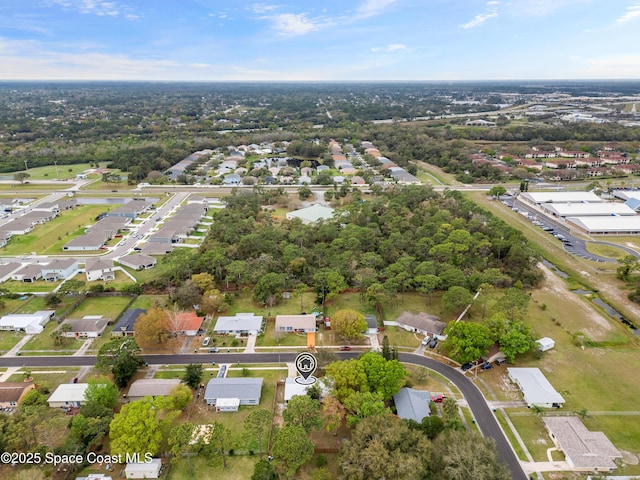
83, 349
18, 346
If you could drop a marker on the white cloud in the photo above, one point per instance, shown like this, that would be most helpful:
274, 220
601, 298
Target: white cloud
479, 20
633, 11
100, 8
262, 8
291, 24
393, 47
370, 8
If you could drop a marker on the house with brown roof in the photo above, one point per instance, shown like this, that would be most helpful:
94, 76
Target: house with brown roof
187, 323
12, 393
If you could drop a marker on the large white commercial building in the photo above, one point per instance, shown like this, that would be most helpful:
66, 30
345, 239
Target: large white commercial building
617, 225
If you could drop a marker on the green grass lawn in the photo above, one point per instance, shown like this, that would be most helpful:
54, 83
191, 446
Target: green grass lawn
34, 304
8, 340
61, 172
242, 302
532, 431
147, 301
401, 338
40, 286
512, 439
606, 250
49, 238
239, 467
50, 378
43, 341
109, 307
270, 339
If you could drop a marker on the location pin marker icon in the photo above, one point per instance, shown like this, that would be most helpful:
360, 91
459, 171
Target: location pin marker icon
306, 364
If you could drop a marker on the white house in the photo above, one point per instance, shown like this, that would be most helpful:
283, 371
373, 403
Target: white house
296, 323
68, 395
30, 323
144, 469
311, 214
240, 324
535, 387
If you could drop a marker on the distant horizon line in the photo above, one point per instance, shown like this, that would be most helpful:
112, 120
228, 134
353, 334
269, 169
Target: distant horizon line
527, 80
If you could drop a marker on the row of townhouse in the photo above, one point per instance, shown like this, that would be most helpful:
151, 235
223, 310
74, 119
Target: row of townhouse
39, 214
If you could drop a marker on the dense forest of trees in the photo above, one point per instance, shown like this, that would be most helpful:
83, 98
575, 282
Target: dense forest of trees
409, 239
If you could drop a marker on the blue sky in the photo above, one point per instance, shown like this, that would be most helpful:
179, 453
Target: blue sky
319, 40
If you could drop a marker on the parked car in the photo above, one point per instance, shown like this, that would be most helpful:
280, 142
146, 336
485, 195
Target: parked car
466, 366
345, 348
425, 341
213, 350
501, 361
206, 341
486, 366
434, 343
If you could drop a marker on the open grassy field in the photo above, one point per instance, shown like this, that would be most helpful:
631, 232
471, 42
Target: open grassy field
147, 301
109, 307
8, 340
61, 172
49, 238
532, 431
606, 250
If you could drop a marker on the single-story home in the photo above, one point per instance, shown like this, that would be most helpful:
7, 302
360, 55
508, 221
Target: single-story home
535, 387
292, 388
138, 261
584, 451
91, 241
188, 323
296, 323
311, 214
68, 395
90, 326
240, 324
99, 269
11, 393
7, 269
229, 393
124, 327
28, 274
412, 404
152, 387
421, 323
144, 469
30, 323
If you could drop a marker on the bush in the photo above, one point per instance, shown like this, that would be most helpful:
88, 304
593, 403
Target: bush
321, 461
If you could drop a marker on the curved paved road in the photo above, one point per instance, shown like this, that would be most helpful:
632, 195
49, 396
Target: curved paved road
483, 415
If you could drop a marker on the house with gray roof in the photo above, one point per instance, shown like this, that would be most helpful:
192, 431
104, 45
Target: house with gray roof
422, 322
412, 404
227, 394
157, 248
535, 387
7, 269
30, 323
152, 387
584, 450
90, 326
311, 214
124, 327
18, 227
138, 261
93, 240
99, 269
240, 324
28, 274
59, 269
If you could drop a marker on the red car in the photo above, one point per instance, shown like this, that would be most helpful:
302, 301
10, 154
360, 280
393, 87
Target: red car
345, 348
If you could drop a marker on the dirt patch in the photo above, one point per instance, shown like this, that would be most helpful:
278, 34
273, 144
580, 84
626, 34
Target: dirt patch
596, 326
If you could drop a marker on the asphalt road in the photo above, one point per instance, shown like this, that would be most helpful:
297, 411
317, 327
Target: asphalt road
483, 415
